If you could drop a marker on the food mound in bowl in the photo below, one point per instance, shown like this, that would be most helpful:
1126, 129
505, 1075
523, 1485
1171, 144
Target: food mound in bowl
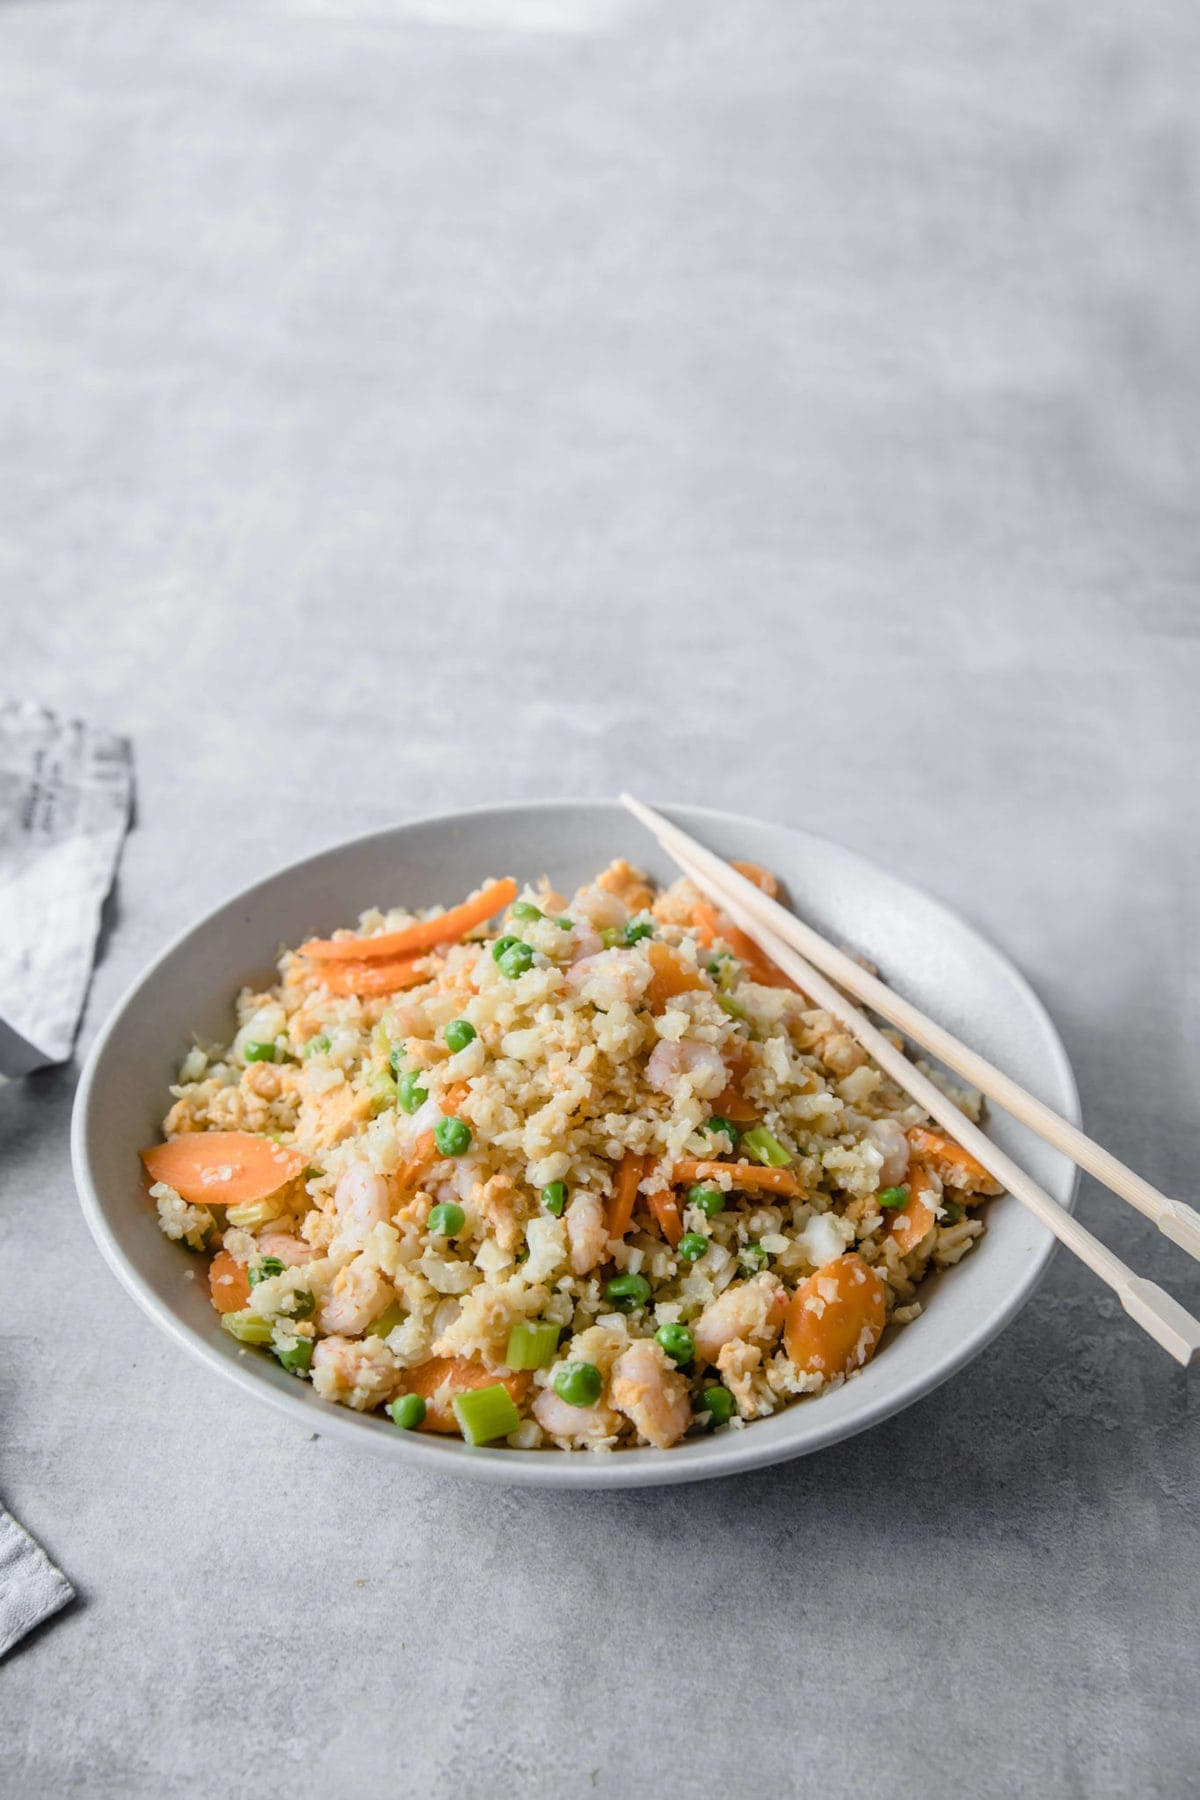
593, 1177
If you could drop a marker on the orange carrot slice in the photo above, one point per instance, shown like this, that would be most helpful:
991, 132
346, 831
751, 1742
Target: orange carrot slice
438, 1380
709, 925
426, 934
732, 1103
762, 878
673, 974
910, 1222
624, 1194
228, 1283
222, 1168
956, 1166
372, 978
749, 1176
665, 1208
835, 1319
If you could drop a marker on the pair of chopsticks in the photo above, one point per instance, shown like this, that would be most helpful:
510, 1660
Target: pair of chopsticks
802, 953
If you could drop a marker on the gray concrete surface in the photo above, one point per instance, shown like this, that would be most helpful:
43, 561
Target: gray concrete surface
787, 406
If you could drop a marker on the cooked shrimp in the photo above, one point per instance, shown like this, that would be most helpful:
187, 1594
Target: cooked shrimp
891, 1143
291, 1251
628, 884
956, 1166
361, 1199
579, 1423
587, 1232
359, 1374
598, 907
738, 1364
651, 1393
687, 1063
609, 977
358, 1295
748, 1309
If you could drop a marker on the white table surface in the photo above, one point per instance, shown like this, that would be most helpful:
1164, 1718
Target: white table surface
790, 407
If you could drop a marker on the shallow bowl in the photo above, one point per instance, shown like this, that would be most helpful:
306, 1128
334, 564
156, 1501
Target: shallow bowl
924, 950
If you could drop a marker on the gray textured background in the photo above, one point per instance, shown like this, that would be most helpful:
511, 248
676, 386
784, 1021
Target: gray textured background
787, 406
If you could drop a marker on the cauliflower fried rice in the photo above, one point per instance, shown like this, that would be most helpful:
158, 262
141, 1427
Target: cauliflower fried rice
575, 1174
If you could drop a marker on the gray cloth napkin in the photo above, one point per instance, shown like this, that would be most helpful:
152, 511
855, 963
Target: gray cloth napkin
65, 796
31, 1588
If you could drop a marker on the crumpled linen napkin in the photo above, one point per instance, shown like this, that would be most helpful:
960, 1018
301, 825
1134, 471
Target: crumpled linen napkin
65, 795
31, 1588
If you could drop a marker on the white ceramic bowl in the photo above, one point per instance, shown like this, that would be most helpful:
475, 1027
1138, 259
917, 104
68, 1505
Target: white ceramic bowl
926, 951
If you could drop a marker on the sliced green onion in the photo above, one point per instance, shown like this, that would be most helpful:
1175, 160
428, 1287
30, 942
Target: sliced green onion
753, 1257
396, 1059
247, 1327
408, 1411
301, 1303
531, 1344
952, 1213
637, 929
610, 937
263, 1268
260, 1052
486, 1413
317, 1046
297, 1358
554, 1197
717, 1402
565, 924
382, 1092
731, 1008
391, 1316
765, 1148
892, 1197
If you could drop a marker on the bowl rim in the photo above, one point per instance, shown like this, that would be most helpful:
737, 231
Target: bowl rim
706, 1459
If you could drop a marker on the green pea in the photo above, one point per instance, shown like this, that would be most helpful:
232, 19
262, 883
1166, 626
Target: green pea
718, 1404
952, 1212
452, 1136
264, 1268
408, 1411
637, 929
578, 1383
301, 1303
501, 945
627, 1291
753, 1258
565, 924
716, 1125
260, 1052
677, 1341
710, 1200
890, 1198
554, 1197
525, 909
692, 1246
516, 959
446, 1220
409, 1092
459, 1033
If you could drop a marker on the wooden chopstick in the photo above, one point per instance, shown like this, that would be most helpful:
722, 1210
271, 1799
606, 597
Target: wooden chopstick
1149, 1305
1174, 1218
